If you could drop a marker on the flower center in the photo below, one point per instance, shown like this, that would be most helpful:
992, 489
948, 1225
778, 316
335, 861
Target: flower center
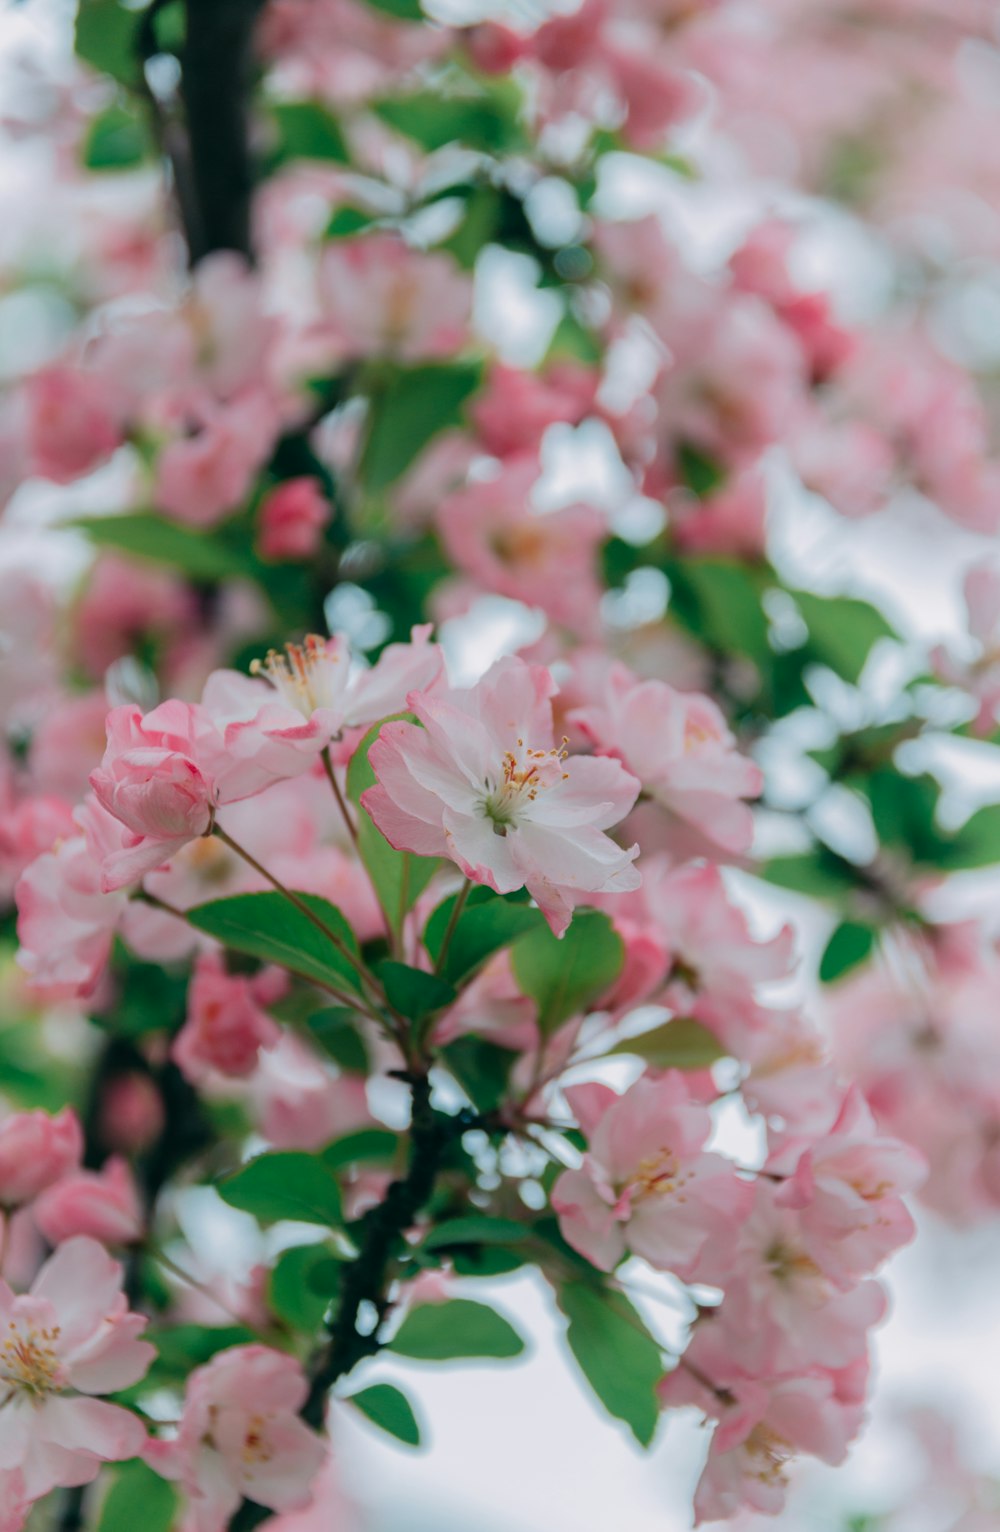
525, 773
658, 1175
303, 675
785, 1262
770, 1454
256, 1447
29, 1360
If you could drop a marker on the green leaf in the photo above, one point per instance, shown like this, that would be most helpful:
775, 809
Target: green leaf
366, 1144
458, 1328
819, 873
842, 630
285, 1185
398, 877
679, 1044
308, 131
116, 139
851, 943
347, 221
475, 1229
616, 1354
105, 38
565, 975
719, 601
904, 810
481, 1068
701, 474
408, 410
269, 927
403, 10
138, 1497
976, 844
487, 120
412, 992
291, 1293
160, 541
335, 1030
488, 922
389, 1409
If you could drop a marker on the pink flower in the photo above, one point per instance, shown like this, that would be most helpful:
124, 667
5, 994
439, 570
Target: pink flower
291, 520
201, 477
300, 1103
35, 1151
646, 1184
484, 783
546, 559
516, 408
240, 1437
678, 745
381, 298
102, 1204
226, 1025
132, 1112
980, 675
734, 521
125, 602
328, 1509
73, 422
846, 1185
28, 829
70, 1337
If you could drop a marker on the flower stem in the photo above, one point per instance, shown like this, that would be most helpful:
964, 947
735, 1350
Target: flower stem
453, 920
352, 830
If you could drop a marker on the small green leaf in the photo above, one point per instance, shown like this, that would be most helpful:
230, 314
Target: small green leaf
702, 474
335, 1030
308, 130
977, 843
366, 1144
616, 1354
679, 1044
719, 602
105, 38
411, 407
347, 221
486, 120
291, 1293
842, 630
138, 1497
481, 1068
458, 1328
390, 1409
819, 873
145, 536
269, 927
851, 943
116, 139
565, 975
412, 992
285, 1185
474, 1230
488, 922
402, 10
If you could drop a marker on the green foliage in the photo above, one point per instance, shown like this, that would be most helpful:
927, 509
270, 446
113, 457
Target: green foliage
616, 1354
144, 536
409, 407
402, 10
412, 992
300, 1289
378, 1144
485, 117
564, 975
850, 945
819, 873
398, 877
457, 1329
148, 998
842, 631
116, 139
474, 1229
335, 1030
346, 222
308, 130
105, 37
388, 1408
138, 1497
700, 473
267, 926
976, 844
287, 1184
481, 1068
683, 1043
719, 602
488, 922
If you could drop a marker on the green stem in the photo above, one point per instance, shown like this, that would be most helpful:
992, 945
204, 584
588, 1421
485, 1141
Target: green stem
352, 831
453, 920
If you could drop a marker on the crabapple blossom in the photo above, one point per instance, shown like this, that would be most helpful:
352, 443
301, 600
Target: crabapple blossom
680, 748
291, 520
240, 1435
484, 783
37, 1149
226, 1024
646, 1184
104, 1205
70, 1338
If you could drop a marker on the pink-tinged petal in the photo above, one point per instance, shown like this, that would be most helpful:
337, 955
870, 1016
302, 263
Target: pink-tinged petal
483, 855
589, 1102
403, 831
83, 1284
586, 1221
91, 1425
